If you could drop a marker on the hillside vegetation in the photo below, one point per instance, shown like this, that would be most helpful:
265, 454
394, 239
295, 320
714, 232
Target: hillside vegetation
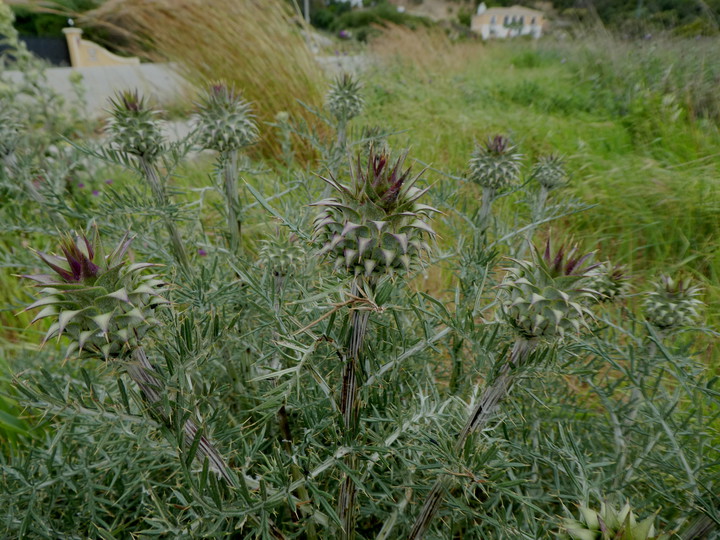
469, 293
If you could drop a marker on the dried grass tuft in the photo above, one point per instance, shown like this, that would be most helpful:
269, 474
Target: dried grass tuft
429, 50
256, 45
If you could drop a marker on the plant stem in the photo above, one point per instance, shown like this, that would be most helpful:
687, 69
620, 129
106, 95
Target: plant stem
483, 411
350, 408
342, 135
488, 196
232, 200
156, 186
141, 371
538, 210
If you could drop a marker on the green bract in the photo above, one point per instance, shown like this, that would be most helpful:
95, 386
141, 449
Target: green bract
672, 303
225, 120
549, 171
610, 524
134, 127
344, 100
104, 304
610, 282
495, 165
280, 256
375, 225
547, 296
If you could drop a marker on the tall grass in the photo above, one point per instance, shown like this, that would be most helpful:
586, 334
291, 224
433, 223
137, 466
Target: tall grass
257, 46
639, 154
427, 49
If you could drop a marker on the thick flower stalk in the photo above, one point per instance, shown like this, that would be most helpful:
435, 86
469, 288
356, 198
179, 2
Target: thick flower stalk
672, 303
134, 130
344, 102
542, 300
550, 174
225, 123
610, 524
106, 306
494, 166
372, 228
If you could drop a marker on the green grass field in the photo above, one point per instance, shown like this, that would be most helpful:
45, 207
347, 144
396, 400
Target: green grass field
652, 174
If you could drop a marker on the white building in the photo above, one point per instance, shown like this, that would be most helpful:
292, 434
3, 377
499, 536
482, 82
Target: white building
507, 22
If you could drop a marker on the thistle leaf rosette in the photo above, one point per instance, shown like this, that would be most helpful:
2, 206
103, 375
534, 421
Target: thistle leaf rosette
344, 100
672, 303
375, 226
610, 524
548, 296
134, 128
104, 304
549, 171
495, 165
224, 121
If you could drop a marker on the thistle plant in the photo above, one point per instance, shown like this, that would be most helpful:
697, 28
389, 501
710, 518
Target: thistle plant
672, 303
610, 524
281, 256
10, 129
494, 166
225, 123
542, 300
373, 228
134, 131
344, 102
549, 172
106, 307
609, 281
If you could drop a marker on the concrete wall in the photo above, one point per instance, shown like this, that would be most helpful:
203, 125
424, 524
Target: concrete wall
157, 81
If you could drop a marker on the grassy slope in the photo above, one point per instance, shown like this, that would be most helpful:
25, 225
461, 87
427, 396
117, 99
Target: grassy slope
657, 200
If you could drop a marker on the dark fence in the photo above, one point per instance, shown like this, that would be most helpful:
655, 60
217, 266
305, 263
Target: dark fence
52, 50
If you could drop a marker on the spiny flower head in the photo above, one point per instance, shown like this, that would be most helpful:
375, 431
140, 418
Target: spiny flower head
610, 524
375, 225
102, 303
495, 165
672, 303
343, 99
549, 171
224, 120
134, 128
610, 282
547, 296
281, 255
